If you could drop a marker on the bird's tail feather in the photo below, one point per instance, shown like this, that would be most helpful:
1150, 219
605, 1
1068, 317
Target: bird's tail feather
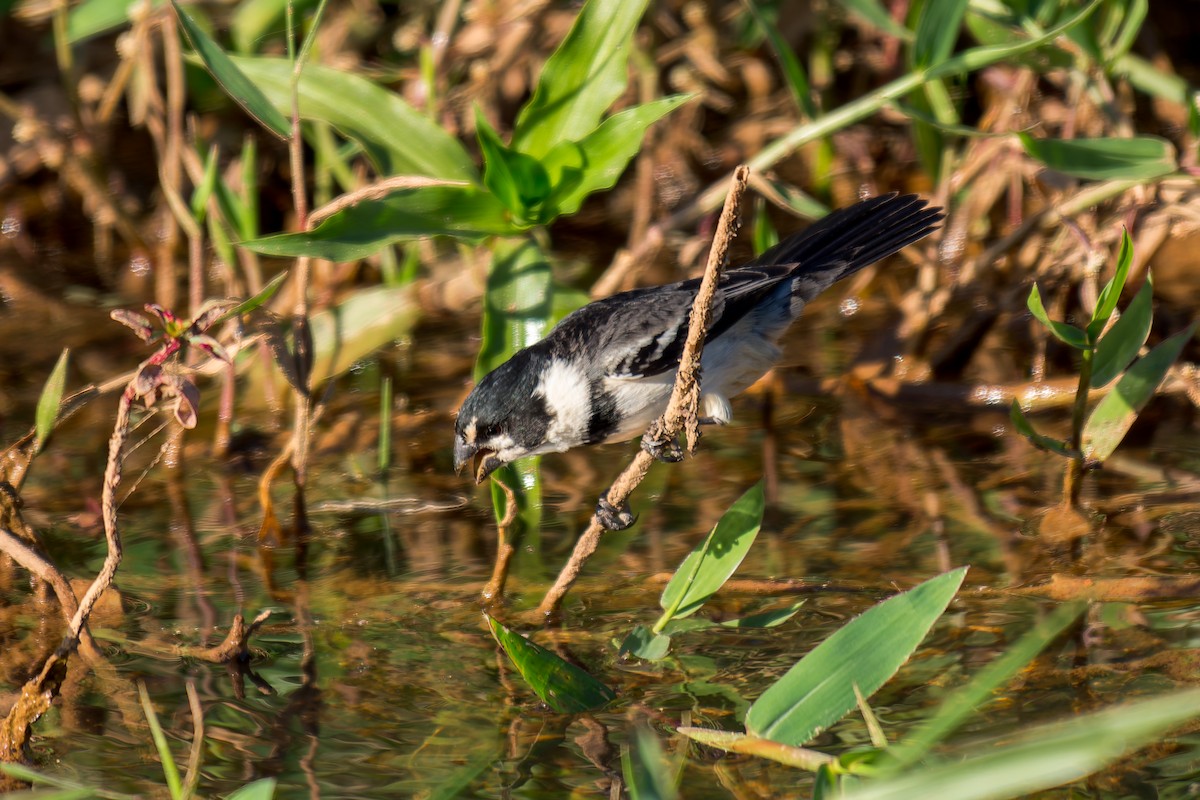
847, 240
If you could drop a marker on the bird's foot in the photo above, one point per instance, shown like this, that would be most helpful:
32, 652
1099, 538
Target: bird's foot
614, 518
667, 450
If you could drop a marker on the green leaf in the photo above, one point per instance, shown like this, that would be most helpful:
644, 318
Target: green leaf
1106, 303
577, 169
954, 709
751, 745
462, 211
793, 70
707, 567
263, 297
235, 83
207, 186
765, 619
819, 689
253, 22
645, 644
49, 401
647, 774
875, 15
1026, 429
1114, 415
518, 180
94, 17
937, 31
170, 770
1044, 757
261, 789
561, 685
1124, 340
398, 139
68, 790
581, 79
1136, 158
1068, 334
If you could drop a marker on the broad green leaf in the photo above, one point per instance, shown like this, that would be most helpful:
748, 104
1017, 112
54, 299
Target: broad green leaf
1026, 429
517, 308
1136, 158
1044, 757
235, 82
954, 709
645, 644
793, 70
1068, 334
819, 689
461, 211
578, 169
48, 402
707, 567
1106, 303
261, 789
581, 79
1124, 340
937, 31
560, 684
647, 774
765, 619
1112, 418
751, 745
398, 139
518, 180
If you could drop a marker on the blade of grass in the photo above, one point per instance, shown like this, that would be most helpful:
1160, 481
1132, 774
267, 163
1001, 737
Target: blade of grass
170, 771
1125, 338
48, 402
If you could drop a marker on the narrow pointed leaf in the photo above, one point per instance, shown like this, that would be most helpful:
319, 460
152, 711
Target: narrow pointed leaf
1044, 757
867, 651
581, 79
1136, 158
1106, 303
874, 14
399, 139
707, 567
937, 31
793, 70
240, 88
1125, 338
464, 212
1115, 414
561, 685
955, 709
1068, 334
250, 304
1026, 429
647, 774
48, 402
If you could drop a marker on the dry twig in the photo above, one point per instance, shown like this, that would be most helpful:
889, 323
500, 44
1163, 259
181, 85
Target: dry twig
680, 415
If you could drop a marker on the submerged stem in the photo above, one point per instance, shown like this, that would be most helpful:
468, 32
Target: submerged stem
1073, 478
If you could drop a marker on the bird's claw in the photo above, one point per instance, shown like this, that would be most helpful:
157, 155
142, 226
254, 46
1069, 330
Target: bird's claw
666, 450
614, 518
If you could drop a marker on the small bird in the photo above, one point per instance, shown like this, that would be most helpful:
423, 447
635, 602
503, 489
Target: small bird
606, 371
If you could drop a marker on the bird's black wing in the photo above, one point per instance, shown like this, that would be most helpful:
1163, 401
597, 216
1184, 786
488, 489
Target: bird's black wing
649, 326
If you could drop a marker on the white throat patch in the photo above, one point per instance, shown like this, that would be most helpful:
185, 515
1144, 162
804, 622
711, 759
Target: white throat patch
568, 396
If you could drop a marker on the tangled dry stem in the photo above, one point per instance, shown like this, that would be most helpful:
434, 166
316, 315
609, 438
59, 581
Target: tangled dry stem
680, 416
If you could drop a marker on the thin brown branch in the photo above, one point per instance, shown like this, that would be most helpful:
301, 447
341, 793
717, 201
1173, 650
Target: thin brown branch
680, 415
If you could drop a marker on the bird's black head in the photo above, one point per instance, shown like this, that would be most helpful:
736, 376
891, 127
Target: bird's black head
504, 418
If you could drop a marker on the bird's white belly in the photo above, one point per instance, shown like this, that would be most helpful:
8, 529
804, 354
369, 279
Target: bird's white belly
730, 364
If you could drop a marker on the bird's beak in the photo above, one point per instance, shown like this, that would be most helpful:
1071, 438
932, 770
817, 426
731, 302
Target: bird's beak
484, 461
